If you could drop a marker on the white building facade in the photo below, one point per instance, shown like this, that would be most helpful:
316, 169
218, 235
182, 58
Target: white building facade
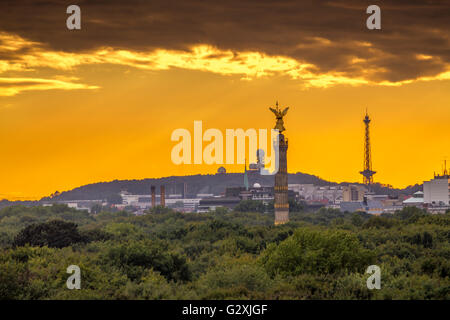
437, 191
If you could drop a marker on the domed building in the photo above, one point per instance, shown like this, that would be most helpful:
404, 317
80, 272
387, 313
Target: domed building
221, 170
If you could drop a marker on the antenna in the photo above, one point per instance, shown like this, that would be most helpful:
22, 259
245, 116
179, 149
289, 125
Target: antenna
445, 173
367, 173
245, 176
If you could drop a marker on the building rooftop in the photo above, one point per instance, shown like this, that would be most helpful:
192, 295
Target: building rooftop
352, 206
413, 200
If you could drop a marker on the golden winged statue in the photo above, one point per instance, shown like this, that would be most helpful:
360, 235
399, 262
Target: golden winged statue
279, 115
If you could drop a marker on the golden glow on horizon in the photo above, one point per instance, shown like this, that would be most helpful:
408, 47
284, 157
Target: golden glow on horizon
119, 125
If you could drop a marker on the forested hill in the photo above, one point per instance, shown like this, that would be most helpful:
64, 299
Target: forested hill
211, 183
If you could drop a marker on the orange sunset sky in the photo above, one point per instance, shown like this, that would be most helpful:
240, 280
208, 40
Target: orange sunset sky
100, 103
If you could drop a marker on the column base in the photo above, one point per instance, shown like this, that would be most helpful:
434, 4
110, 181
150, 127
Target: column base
281, 216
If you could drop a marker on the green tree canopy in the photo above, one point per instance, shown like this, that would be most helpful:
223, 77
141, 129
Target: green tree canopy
316, 252
56, 234
250, 206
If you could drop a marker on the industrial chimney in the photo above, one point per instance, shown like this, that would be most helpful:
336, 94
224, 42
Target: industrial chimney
153, 196
163, 196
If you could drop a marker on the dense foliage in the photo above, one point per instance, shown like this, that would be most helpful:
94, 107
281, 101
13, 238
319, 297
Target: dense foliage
53, 234
222, 254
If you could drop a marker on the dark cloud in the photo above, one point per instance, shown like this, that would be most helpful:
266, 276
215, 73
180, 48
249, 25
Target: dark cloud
292, 28
19, 84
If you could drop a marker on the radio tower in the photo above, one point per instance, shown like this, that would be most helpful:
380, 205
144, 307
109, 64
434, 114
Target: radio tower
367, 173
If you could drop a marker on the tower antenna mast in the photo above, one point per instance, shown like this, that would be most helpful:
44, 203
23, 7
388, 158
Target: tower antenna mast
445, 173
367, 173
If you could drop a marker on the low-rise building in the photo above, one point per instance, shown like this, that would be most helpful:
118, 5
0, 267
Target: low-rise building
313, 193
209, 204
354, 193
437, 191
77, 204
416, 200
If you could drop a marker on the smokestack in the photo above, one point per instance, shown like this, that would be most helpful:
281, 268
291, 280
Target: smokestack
163, 196
153, 196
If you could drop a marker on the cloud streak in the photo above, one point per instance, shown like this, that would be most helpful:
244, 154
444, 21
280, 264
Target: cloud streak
13, 86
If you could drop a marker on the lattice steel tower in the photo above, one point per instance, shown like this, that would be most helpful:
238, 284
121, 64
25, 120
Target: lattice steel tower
367, 173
